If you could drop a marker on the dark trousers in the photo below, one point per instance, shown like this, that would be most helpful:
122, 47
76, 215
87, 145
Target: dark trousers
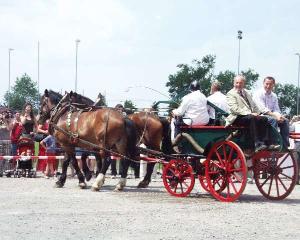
177, 124
258, 127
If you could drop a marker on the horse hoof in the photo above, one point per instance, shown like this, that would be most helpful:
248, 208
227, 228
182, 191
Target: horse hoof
95, 189
143, 184
118, 189
58, 184
82, 185
88, 176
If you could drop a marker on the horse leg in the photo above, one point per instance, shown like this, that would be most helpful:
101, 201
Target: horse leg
99, 163
147, 179
100, 179
87, 173
122, 182
62, 179
79, 174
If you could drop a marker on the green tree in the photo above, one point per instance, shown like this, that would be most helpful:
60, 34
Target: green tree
200, 70
24, 90
129, 106
226, 79
287, 98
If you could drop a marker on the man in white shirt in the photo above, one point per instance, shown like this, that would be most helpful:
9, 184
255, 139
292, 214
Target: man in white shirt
193, 108
267, 99
217, 98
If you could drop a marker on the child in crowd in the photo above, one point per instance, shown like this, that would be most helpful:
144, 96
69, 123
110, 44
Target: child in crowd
49, 144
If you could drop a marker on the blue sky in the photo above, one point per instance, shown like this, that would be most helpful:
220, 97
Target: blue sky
139, 43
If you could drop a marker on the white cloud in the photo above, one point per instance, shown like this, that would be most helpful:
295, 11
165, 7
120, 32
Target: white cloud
126, 43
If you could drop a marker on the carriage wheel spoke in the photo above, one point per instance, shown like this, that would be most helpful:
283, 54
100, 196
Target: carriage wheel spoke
230, 155
236, 170
285, 188
224, 151
228, 190
175, 188
283, 160
270, 186
287, 167
217, 165
185, 184
277, 187
261, 185
213, 172
220, 159
286, 176
181, 187
233, 185
235, 160
238, 178
216, 181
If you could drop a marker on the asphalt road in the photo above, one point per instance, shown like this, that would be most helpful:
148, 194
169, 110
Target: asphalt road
34, 209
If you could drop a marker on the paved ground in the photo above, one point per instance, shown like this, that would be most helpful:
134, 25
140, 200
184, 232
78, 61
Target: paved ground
33, 209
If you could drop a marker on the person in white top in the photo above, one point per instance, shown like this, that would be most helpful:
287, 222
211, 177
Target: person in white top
217, 98
193, 108
267, 99
295, 127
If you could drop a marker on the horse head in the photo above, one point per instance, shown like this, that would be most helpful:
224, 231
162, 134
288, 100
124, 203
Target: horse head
48, 101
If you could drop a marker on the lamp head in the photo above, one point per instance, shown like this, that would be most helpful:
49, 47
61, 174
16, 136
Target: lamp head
240, 34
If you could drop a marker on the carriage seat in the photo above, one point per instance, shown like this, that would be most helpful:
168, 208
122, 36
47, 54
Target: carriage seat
211, 127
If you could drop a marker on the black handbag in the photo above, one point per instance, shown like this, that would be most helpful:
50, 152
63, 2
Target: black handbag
39, 137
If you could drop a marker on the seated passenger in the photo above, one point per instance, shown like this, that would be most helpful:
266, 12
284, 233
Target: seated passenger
266, 98
192, 110
217, 98
244, 112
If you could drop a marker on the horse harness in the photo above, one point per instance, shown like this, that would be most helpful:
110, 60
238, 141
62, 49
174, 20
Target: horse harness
60, 109
144, 130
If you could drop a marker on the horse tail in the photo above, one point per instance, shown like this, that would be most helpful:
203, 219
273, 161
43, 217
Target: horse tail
131, 137
166, 144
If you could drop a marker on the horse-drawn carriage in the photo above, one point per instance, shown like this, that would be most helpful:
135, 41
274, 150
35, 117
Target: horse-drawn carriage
222, 158
218, 156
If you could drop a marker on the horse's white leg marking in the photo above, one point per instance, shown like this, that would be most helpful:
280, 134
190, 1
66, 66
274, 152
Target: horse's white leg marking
120, 186
98, 182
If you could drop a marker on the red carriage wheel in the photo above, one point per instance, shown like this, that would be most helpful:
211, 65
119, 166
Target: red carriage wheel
178, 177
226, 171
276, 174
203, 182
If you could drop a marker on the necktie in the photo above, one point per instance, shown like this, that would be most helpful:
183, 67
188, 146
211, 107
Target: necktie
245, 98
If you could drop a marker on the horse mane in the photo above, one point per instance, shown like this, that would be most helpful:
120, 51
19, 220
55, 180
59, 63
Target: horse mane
54, 97
83, 99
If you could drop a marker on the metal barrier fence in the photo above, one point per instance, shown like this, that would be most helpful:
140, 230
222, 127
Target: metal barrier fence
5, 147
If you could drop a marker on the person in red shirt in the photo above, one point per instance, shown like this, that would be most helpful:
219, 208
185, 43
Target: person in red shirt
16, 128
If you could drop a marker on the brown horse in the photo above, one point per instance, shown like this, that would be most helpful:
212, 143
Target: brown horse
102, 129
154, 132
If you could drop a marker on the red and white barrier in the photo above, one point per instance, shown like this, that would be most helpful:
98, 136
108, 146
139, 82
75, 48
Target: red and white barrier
38, 157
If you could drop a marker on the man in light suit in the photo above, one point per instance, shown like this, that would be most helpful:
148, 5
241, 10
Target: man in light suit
244, 112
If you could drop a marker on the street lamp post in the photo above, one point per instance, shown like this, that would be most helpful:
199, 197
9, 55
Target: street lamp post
298, 54
240, 37
38, 69
77, 41
9, 51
